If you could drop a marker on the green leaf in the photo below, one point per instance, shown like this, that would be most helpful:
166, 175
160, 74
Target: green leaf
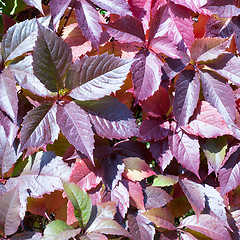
59, 230
164, 181
81, 202
52, 58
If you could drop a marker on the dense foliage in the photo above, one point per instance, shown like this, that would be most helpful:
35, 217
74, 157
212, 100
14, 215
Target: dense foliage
120, 119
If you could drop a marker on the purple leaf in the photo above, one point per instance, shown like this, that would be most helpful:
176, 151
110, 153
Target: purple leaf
223, 8
52, 57
35, 3
140, 227
227, 66
186, 96
229, 174
206, 225
8, 97
57, 9
234, 222
76, 127
9, 210
156, 197
236, 28
126, 29
20, 38
219, 94
162, 153
120, 7
39, 126
7, 153
27, 236
99, 76
110, 118
146, 74
185, 149
88, 21
24, 76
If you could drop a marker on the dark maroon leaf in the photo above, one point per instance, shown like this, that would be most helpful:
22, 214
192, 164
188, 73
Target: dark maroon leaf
186, 96
156, 197
98, 76
126, 29
35, 3
229, 175
40, 126
110, 118
162, 153
8, 97
88, 21
52, 57
234, 222
76, 127
140, 227
206, 225
146, 74
236, 28
223, 8
185, 149
57, 9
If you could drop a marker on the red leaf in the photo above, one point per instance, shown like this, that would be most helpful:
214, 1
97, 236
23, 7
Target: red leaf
207, 122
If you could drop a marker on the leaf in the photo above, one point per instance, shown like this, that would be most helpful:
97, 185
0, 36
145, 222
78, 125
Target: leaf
156, 197
94, 236
57, 9
81, 202
186, 150
58, 229
27, 236
207, 122
8, 97
110, 118
76, 127
41, 175
20, 38
7, 153
9, 210
39, 126
206, 225
24, 76
153, 129
161, 217
186, 96
88, 21
137, 169
140, 227
234, 223
99, 76
52, 57
115, 6
146, 74
126, 29
226, 65
215, 150
35, 3
229, 175
194, 6
204, 49
164, 180
219, 94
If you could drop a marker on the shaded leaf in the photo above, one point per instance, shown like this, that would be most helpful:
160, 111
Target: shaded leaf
35, 3
161, 217
27, 236
58, 229
206, 225
81, 202
8, 97
99, 76
52, 57
186, 96
39, 126
76, 127
110, 118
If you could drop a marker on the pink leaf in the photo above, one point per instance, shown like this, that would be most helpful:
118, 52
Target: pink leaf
195, 6
207, 122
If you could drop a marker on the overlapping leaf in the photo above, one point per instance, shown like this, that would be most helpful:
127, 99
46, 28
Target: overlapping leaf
35, 3
52, 57
40, 126
76, 127
99, 76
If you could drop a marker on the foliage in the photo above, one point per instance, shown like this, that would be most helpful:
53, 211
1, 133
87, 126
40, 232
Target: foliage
120, 119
